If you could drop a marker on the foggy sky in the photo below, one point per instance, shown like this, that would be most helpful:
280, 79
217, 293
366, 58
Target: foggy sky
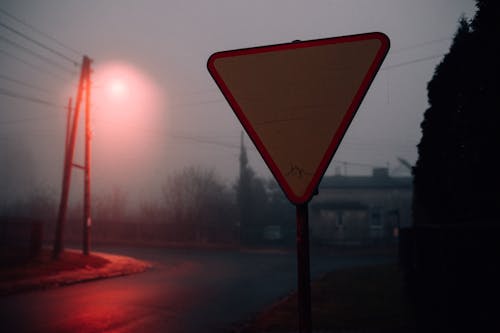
168, 44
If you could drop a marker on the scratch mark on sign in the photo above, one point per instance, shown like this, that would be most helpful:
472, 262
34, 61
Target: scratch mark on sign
297, 171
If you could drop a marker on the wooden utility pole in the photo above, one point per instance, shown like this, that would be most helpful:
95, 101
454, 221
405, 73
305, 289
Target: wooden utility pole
87, 220
69, 153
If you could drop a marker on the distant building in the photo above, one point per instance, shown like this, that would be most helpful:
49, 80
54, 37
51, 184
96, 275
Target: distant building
357, 210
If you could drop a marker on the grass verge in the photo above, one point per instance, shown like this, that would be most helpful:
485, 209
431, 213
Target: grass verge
368, 299
44, 265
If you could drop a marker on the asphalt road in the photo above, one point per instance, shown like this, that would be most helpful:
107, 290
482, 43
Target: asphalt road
185, 291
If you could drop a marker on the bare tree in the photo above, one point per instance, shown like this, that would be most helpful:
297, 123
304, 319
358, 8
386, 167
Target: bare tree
112, 206
39, 203
150, 211
195, 196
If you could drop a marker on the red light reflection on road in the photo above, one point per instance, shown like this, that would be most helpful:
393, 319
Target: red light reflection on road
121, 305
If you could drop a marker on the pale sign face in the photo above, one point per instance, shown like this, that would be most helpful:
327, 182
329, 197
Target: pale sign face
296, 100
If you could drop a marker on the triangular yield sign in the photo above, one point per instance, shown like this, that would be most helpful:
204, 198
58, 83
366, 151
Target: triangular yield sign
296, 100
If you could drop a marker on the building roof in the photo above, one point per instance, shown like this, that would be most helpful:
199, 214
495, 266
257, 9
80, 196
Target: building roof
380, 179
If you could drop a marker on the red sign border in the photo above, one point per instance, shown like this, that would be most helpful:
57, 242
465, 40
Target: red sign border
341, 130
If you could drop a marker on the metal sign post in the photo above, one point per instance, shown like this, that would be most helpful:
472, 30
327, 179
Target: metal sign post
303, 271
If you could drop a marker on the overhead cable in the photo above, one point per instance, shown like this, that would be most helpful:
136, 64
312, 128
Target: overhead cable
28, 50
38, 68
29, 85
42, 45
12, 94
412, 61
22, 120
18, 20
414, 46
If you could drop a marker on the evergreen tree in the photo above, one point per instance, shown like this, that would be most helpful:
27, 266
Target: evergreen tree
251, 199
455, 175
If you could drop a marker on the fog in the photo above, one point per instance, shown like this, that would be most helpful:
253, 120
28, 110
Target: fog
155, 109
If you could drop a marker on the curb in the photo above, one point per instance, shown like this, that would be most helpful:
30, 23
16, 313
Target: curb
117, 266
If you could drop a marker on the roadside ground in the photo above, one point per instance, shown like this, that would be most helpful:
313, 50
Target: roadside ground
366, 299
43, 272
363, 299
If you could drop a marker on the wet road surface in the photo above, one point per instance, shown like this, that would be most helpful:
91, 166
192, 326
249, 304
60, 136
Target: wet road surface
185, 291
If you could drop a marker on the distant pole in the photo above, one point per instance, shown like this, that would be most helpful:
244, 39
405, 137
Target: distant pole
68, 125
68, 132
69, 149
303, 270
87, 220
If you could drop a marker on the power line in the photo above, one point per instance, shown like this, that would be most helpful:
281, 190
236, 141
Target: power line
35, 133
22, 120
28, 50
42, 45
38, 68
202, 140
414, 46
188, 104
12, 94
29, 85
213, 141
412, 61
186, 137
18, 20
